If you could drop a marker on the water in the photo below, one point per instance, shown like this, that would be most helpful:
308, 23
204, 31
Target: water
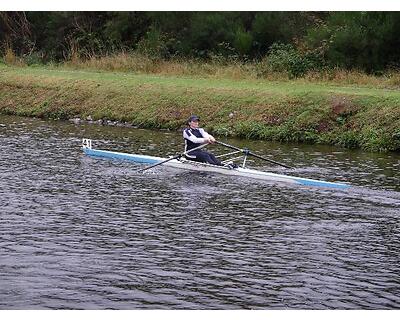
84, 233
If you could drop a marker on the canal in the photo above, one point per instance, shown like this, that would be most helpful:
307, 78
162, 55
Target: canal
86, 233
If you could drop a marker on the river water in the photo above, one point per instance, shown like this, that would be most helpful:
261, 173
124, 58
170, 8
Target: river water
84, 233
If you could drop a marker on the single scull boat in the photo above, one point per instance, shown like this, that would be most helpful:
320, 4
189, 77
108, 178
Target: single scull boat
182, 163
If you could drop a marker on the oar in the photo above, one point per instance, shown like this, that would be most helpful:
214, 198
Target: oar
246, 151
175, 157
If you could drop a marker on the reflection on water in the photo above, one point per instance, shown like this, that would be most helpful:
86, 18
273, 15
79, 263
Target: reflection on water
85, 233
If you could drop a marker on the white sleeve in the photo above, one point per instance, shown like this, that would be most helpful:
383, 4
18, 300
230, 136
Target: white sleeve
193, 138
204, 133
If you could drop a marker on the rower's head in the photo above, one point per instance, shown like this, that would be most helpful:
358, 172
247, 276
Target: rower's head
193, 121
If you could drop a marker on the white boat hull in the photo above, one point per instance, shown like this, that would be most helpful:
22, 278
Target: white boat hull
197, 166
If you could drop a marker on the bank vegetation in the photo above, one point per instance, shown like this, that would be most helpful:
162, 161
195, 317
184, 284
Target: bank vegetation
345, 109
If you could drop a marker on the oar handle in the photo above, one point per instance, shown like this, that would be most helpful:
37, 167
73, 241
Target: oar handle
246, 151
175, 157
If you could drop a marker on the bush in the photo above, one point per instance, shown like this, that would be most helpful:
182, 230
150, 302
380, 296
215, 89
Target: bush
243, 41
35, 58
285, 58
153, 44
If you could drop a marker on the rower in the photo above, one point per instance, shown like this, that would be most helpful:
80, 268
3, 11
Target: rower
194, 137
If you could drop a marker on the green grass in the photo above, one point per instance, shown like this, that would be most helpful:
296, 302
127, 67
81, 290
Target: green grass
356, 116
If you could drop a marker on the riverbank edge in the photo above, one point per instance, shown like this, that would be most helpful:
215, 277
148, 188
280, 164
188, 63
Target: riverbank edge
276, 111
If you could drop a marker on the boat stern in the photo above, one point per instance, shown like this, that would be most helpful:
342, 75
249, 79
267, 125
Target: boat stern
86, 143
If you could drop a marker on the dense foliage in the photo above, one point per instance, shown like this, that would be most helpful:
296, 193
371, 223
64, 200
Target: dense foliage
295, 42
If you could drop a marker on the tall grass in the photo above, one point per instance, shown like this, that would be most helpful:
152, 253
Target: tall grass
139, 63
11, 58
218, 67
391, 79
230, 69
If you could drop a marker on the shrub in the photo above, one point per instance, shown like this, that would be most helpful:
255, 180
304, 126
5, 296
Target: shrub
35, 58
153, 44
243, 41
285, 58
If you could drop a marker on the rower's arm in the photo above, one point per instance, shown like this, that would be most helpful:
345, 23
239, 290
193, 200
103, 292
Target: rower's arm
193, 138
207, 136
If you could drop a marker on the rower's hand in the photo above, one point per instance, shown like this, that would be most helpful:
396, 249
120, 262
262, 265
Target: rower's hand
211, 139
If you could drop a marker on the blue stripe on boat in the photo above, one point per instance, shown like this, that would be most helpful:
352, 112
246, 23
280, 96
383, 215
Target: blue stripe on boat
315, 183
119, 155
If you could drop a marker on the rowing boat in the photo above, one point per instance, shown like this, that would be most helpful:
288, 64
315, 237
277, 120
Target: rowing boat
185, 164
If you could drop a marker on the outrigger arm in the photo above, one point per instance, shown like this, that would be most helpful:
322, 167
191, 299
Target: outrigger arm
247, 152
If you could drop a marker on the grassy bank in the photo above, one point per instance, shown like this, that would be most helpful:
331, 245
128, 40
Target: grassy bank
355, 116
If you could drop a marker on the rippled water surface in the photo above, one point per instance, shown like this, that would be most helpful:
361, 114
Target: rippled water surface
86, 233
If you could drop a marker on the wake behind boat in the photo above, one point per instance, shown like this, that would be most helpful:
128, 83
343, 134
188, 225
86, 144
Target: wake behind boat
180, 162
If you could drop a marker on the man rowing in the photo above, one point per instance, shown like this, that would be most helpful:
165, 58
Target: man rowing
194, 137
